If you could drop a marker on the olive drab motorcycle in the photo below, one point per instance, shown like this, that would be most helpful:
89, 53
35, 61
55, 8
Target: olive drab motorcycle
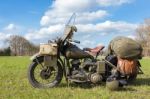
62, 57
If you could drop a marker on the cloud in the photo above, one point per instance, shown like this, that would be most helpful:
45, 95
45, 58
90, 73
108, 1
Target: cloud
91, 21
87, 10
45, 32
3, 38
103, 28
107, 3
84, 17
7, 31
86, 43
84, 5
107, 27
10, 27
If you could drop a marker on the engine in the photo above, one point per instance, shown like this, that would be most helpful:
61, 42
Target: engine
95, 78
75, 64
88, 70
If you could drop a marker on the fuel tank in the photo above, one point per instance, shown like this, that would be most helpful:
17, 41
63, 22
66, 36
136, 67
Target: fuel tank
74, 52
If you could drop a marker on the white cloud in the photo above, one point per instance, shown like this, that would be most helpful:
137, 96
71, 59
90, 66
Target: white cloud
107, 27
84, 17
45, 32
72, 5
87, 10
112, 2
90, 14
7, 31
104, 28
3, 38
10, 27
87, 43
62, 9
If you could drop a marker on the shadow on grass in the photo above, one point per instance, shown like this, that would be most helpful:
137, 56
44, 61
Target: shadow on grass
141, 81
76, 85
123, 89
137, 82
89, 86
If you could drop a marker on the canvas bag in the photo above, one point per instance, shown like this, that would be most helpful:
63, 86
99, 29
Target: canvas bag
124, 47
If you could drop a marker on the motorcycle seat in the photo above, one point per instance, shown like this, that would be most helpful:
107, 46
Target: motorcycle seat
94, 50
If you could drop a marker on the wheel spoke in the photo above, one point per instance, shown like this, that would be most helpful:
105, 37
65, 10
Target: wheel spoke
44, 76
39, 69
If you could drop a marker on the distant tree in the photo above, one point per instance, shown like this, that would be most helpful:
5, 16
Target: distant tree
5, 52
143, 36
20, 46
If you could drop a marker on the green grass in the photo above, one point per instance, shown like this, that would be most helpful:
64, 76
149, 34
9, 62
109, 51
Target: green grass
14, 84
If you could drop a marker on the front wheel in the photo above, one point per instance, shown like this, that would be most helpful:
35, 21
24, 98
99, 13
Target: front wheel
41, 76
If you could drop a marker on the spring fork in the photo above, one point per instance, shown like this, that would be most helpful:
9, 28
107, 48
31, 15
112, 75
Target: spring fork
39, 62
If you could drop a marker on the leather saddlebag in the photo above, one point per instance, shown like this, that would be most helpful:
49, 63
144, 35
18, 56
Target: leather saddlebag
127, 67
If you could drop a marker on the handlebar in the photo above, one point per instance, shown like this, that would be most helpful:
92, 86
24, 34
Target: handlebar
75, 41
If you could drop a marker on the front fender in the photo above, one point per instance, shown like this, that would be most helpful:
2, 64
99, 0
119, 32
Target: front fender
47, 59
35, 56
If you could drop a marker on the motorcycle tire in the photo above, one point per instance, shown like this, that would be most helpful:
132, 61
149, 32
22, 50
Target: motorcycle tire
33, 81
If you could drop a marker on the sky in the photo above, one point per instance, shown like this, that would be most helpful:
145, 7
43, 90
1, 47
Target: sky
98, 21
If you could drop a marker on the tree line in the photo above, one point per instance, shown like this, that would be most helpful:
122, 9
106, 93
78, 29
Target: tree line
19, 46
143, 36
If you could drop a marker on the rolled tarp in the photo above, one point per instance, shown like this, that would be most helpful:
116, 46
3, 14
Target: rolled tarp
124, 47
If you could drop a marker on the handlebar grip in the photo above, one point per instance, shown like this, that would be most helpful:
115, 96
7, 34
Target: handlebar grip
76, 41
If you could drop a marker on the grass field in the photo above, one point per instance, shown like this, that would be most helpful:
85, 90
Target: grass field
14, 85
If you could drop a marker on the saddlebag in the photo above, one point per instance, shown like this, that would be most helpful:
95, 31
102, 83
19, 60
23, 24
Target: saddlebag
127, 67
48, 49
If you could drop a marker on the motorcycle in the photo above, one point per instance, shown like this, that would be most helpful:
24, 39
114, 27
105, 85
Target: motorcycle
62, 57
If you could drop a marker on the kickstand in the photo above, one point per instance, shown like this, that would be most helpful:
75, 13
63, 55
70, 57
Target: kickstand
68, 82
140, 71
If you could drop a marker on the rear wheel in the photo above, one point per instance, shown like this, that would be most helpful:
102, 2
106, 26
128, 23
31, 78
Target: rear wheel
44, 76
